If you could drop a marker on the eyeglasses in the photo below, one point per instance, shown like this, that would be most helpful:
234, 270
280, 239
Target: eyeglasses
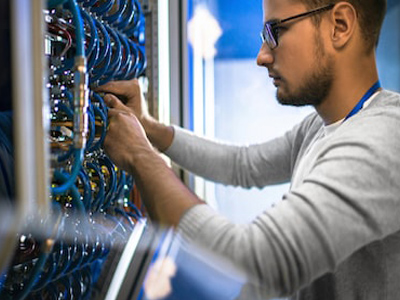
270, 33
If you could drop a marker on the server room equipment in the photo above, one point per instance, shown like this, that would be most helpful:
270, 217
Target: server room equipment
71, 221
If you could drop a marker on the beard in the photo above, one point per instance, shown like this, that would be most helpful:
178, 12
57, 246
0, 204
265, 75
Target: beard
316, 85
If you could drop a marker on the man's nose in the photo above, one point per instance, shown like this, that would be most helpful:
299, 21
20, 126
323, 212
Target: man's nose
265, 56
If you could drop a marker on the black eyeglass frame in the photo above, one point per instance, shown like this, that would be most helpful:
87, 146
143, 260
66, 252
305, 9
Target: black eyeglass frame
269, 34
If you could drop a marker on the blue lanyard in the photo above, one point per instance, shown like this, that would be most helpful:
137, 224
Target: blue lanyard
360, 103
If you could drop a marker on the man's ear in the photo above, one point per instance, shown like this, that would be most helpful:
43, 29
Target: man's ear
344, 19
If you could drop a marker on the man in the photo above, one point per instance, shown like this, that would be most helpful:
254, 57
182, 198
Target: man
336, 234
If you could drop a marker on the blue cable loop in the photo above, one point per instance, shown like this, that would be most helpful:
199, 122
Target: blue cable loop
67, 287
98, 200
86, 279
66, 109
77, 257
112, 181
125, 215
130, 182
99, 143
103, 8
93, 47
121, 185
69, 183
141, 31
88, 251
137, 211
74, 192
64, 261
48, 273
76, 285
69, 113
115, 57
143, 62
98, 248
138, 31
137, 11
133, 215
104, 58
127, 16
130, 66
70, 97
126, 58
102, 105
58, 261
104, 242
135, 59
112, 18
131, 72
125, 52
87, 191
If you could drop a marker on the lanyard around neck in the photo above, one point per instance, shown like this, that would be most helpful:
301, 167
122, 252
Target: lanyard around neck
360, 104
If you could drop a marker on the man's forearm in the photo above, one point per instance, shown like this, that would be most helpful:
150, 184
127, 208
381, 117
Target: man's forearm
165, 196
160, 135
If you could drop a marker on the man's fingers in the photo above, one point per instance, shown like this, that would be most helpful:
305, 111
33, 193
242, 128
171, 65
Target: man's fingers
121, 88
113, 102
112, 112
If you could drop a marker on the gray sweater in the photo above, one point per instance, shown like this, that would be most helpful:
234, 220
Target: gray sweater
336, 235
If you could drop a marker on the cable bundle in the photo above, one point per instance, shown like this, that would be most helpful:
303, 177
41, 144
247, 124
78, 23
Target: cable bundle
88, 43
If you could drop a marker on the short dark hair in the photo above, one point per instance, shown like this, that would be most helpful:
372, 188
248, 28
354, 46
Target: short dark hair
371, 15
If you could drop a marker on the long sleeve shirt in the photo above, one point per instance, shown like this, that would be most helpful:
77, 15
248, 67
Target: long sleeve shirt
336, 234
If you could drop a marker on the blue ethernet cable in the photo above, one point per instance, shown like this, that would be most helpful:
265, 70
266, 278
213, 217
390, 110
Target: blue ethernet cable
103, 8
115, 57
127, 16
92, 50
112, 18
126, 57
97, 202
112, 183
99, 143
103, 62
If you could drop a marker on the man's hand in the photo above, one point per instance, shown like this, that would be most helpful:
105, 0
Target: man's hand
129, 92
126, 139
131, 97
164, 195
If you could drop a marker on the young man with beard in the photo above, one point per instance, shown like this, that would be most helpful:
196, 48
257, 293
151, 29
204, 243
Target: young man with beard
336, 233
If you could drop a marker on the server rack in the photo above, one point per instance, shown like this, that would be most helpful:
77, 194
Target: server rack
73, 226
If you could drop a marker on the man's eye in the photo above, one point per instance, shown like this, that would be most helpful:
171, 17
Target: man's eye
279, 29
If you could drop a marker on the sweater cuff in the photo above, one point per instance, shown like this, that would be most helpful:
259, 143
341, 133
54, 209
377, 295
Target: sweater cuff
180, 135
194, 220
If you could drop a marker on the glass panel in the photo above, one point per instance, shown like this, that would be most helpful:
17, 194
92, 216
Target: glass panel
233, 98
